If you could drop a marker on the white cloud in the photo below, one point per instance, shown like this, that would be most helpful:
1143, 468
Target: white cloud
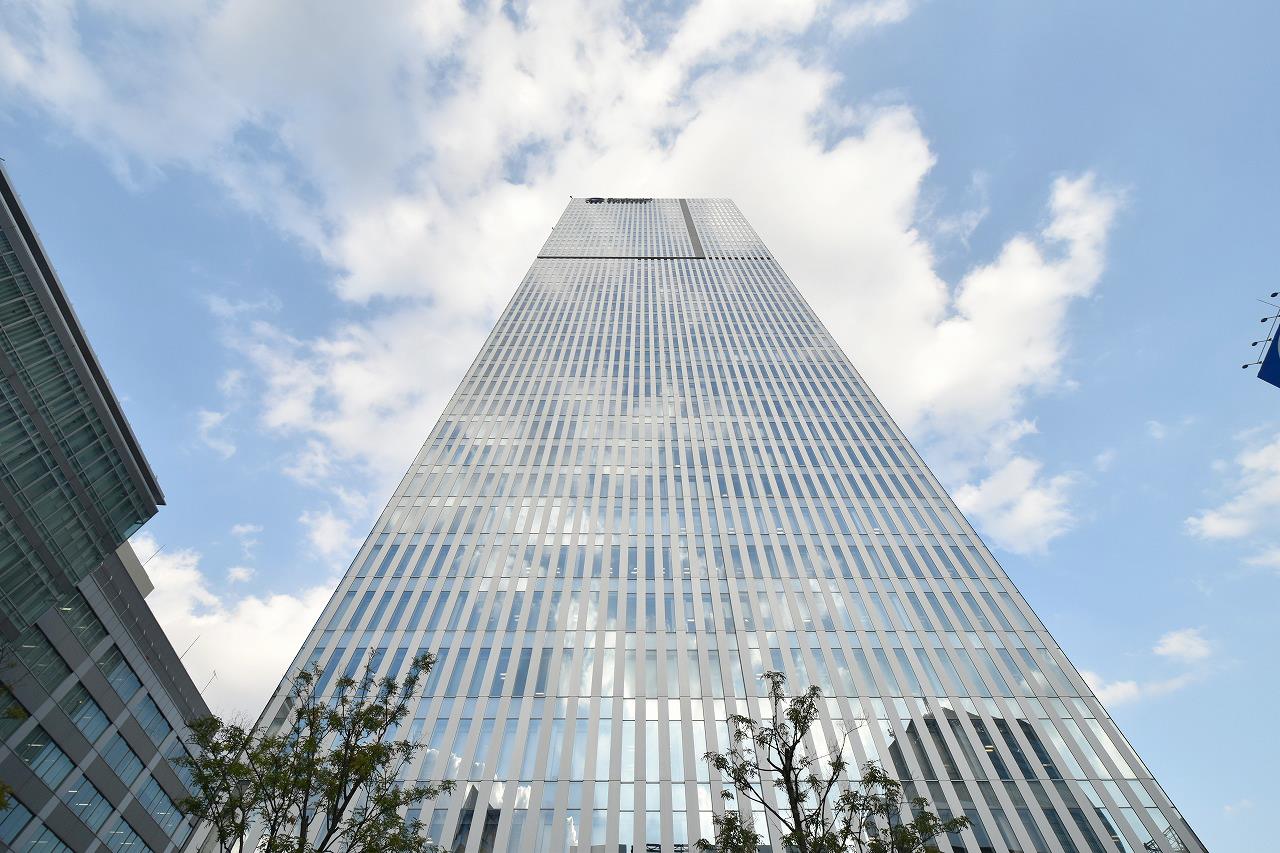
423, 154
1186, 645
1157, 430
208, 427
366, 380
232, 383
1021, 510
329, 535
230, 309
1254, 500
1015, 506
248, 641
960, 226
872, 13
312, 463
1268, 558
1111, 692
1104, 460
239, 574
1001, 335
1126, 691
247, 535
1211, 524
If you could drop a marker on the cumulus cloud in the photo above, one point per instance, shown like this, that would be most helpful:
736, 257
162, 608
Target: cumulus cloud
1001, 335
1017, 507
1022, 511
1254, 489
424, 151
1186, 646
329, 534
1126, 691
243, 642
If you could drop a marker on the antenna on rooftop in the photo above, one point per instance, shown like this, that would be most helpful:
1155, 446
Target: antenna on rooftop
1268, 360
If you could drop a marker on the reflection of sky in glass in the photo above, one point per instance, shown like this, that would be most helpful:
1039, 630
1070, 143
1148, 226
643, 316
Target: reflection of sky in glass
660, 479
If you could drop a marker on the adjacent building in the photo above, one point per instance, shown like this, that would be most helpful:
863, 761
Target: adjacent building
660, 478
94, 696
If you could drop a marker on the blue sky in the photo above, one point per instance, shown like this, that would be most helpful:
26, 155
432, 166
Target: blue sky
1039, 230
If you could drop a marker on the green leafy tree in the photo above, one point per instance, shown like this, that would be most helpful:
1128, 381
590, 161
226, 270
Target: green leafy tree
223, 773
328, 781
812, 798
733, 834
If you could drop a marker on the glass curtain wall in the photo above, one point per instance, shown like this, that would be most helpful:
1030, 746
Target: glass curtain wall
660, 478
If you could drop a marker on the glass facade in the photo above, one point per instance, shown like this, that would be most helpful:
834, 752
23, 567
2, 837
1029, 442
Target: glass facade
94, 698
73, 484
660, 478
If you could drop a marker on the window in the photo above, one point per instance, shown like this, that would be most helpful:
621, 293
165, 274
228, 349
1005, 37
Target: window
123, 760
84, 712
83, 622
13, 821
46, 842
159, 806
44, 757
152, 719
42, 659
122, 839
83, 798
119, 673
175, 752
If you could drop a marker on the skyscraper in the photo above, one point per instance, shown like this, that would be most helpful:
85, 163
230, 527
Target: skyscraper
95, 699
660, 478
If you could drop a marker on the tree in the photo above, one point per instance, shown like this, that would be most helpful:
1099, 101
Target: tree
819, 808
327, 781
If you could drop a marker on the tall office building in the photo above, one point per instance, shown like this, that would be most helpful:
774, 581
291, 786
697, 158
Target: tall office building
660, 478
94, 700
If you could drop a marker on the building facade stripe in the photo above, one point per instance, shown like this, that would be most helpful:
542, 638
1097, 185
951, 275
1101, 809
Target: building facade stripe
661, 477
